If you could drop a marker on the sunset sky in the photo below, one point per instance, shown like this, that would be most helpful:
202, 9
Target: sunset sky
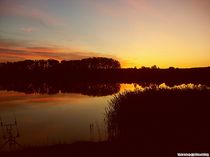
136, 32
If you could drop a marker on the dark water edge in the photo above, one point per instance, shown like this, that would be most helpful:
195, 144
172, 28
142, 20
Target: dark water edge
78, 149
94, 149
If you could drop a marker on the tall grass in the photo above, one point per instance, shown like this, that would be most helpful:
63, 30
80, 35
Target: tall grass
161, 117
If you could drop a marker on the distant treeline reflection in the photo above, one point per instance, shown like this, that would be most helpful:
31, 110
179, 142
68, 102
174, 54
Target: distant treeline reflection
90, 89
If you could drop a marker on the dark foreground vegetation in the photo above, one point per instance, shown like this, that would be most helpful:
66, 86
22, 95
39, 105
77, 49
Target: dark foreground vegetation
161, 121
154, 122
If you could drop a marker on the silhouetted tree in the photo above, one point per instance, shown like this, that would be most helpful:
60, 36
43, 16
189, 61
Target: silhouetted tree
171, 68
154, 67
92, 63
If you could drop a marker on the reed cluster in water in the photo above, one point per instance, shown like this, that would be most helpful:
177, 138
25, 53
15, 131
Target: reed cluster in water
160, 118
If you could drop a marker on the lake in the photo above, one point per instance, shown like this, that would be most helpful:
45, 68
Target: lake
57, 118
63, 117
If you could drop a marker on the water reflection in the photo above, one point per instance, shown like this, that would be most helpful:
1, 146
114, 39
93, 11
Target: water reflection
45, 119
66, 117
91, 89
84, 88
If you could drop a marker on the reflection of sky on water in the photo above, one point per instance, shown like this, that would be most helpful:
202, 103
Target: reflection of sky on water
48, 119
51, 119
134, 86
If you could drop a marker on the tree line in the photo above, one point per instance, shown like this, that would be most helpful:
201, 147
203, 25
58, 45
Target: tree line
97, 70
88, 63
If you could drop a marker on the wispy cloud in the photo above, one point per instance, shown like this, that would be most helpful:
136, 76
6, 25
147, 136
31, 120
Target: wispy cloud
38, 15
143, 6
11, 50
28, 29
125, 8
15, 55
107, 9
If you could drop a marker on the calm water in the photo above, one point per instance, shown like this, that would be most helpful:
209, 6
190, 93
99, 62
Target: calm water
62, 117
58, 118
